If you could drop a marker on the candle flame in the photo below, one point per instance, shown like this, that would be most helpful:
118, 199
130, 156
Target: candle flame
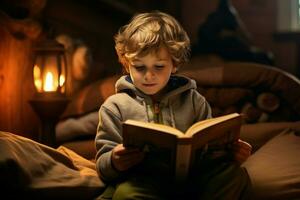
61, 80
37, 78
49, 82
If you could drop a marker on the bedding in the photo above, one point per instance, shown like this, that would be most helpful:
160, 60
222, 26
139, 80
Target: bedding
274, 168
268, 98
77, 127
90, 97
252, 89
33, 170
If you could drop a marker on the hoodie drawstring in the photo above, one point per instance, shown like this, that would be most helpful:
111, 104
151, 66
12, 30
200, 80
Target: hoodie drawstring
148, 111
172, 116
154, 113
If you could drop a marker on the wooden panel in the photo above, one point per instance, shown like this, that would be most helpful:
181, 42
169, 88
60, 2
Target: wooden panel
16, 86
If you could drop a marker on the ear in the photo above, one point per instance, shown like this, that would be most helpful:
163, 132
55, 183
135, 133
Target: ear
174, 69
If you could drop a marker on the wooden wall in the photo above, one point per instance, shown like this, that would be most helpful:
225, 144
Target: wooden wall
16, 86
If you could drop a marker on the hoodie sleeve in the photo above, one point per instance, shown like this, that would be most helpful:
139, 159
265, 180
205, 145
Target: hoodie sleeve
108, 136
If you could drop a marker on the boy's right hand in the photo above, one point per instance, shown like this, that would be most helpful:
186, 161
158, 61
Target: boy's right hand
125, 158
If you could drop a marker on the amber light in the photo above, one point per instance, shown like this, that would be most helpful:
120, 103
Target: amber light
49, 82
49, 70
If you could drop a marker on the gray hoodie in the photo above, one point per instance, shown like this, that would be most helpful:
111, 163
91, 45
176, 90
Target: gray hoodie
180, 107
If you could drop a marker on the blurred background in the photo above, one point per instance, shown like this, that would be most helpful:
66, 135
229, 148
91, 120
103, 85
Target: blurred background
261, 31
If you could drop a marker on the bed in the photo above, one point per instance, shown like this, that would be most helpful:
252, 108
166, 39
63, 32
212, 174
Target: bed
37, 171
268, 97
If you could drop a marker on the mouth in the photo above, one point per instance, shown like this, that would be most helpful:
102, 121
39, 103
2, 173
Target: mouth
149, 84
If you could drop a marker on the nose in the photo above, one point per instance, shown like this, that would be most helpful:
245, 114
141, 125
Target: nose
149, 75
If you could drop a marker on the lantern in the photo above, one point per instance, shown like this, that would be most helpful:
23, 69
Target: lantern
49, 79
49, 71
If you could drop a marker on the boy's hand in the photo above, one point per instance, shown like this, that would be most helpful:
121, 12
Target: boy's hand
242, 150
124, 158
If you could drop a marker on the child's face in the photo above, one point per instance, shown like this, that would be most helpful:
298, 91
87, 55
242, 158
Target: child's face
151, 73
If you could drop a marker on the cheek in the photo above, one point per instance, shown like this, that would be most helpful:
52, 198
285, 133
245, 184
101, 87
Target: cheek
135, 77
170, 72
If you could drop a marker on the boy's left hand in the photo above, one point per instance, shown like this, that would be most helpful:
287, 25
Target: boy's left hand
241, 150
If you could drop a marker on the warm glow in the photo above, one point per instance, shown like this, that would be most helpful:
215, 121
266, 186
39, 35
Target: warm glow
49, 83
37, 78
61, 80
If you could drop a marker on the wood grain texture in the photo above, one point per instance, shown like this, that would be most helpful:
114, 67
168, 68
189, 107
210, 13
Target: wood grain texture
16, 86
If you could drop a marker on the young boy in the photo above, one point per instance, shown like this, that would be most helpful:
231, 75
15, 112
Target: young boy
151, 48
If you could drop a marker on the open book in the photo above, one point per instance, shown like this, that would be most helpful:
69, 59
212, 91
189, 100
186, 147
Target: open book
213, 137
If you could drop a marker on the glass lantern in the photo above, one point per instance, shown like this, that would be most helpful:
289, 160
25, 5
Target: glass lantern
50, 68
49, 74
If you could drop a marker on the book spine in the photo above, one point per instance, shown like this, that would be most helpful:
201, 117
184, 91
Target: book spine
183, 158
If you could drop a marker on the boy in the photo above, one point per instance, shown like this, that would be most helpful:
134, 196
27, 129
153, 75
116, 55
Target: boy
151, 48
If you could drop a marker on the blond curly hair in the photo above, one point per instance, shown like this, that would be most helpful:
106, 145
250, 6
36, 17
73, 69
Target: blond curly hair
147, 32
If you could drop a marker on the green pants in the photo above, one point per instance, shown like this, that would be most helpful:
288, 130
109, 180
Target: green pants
223, 181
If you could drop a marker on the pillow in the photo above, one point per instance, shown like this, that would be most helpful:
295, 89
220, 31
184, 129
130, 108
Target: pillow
267, 78
80, 119
275, 168
77, 128
262, 93
251, 76
90, 97
224, 97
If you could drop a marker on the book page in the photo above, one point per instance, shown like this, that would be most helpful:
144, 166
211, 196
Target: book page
197, 127
140, 134
155, 126
221, 134
215, 141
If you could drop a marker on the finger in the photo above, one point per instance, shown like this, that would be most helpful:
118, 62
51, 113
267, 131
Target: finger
133, 160
125, 151
242, 147
242, 150
132, 156
132, 150
241, 157
244, 143
242, 154
130, 162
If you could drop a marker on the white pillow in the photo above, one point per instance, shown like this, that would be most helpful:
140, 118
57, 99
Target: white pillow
72, 128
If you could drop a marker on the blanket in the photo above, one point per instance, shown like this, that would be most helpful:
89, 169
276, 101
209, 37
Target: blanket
29, 168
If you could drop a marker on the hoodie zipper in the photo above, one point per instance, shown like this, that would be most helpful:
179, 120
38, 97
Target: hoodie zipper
156, 111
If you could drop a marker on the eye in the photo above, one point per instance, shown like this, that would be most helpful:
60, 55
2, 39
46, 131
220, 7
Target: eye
139, 68
159, 67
